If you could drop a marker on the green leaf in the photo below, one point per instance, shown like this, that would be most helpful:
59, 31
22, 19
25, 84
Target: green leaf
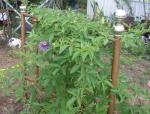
71, 102
105, 41
74, 68
84, 55
75, 55
55, 71
70, 51
63, 48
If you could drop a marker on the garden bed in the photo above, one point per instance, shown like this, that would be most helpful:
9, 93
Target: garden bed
8, 104
5, 59
138, 71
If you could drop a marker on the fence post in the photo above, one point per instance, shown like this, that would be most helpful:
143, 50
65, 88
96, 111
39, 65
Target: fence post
119, 28
23, 30
23, 33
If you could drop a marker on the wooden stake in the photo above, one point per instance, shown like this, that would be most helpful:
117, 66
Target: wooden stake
115, 71
23, 31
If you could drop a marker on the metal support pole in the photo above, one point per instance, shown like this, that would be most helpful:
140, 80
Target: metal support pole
115, 70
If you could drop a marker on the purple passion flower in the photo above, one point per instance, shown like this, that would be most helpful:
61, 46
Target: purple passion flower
44, 46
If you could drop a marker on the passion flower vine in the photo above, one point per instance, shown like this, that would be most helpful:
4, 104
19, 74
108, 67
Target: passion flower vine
44, 46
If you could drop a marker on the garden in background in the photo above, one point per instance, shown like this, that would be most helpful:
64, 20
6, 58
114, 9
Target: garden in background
64, 66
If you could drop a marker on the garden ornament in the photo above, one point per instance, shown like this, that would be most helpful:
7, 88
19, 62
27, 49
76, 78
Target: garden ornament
43, 46
14, 43
3, 16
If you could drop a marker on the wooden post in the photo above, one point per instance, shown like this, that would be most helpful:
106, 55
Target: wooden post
23, 31
37, 67
115, 71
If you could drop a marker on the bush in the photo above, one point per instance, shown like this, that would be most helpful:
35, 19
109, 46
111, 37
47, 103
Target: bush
73, 68
75, 72
132, 42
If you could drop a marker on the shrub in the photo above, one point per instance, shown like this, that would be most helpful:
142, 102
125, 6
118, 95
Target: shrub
73, 68
75, 72
132, 42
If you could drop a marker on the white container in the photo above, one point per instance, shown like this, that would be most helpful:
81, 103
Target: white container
3, 16
119, 28
22, 8
120, 13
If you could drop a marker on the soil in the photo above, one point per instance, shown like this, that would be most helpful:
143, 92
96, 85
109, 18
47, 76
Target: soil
139, 72
5, 59
8, 104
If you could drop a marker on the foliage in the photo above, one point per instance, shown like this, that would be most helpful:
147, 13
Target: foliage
128, 95
1, 76
74, 73
132, 42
